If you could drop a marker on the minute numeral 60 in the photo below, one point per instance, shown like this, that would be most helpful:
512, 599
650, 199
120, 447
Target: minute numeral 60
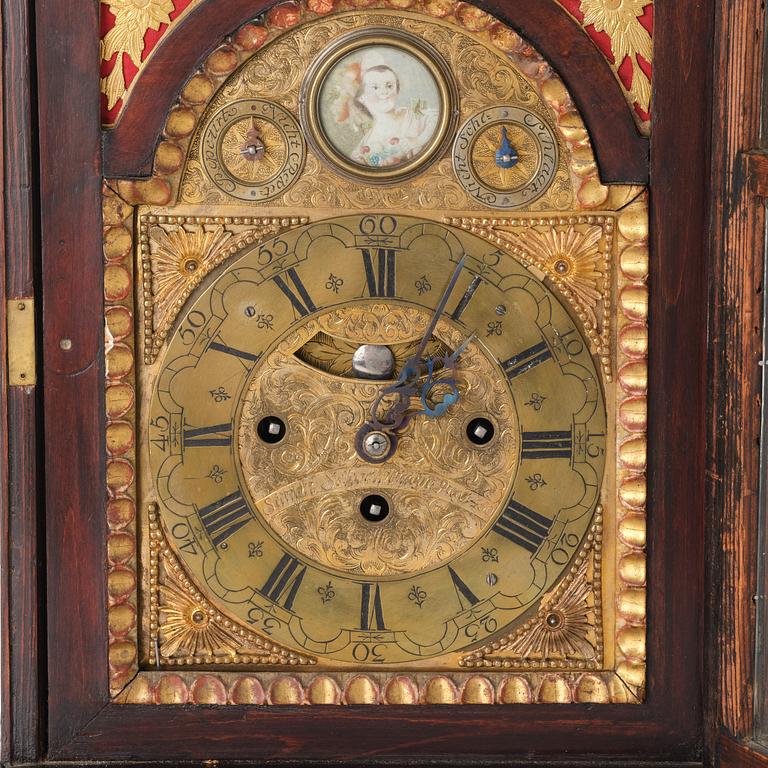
378, 225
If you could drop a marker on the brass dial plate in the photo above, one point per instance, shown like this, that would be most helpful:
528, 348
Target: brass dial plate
309, 489
273, 298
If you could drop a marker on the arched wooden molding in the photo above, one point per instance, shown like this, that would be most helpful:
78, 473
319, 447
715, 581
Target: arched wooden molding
620, 150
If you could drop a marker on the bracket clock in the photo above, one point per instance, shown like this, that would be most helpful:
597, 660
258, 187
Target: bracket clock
364, 465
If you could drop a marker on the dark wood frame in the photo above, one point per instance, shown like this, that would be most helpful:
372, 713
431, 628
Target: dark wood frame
80, 723
738, 238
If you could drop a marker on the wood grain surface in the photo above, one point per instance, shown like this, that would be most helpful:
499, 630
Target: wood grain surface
737, 236
67, 48
24, 650
731, 754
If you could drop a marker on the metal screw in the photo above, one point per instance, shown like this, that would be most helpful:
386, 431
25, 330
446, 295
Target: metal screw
376, 444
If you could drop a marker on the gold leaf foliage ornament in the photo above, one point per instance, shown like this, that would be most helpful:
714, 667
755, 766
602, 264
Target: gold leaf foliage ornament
619, 20
177, 257
132, 20
187, 629
563, 630
180, 260
574, 257
575, 253
190, 631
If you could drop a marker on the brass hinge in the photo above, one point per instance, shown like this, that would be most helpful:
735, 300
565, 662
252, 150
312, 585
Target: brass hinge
21, 342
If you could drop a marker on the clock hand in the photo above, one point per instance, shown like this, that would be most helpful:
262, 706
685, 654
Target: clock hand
397, 417
447, 400
506, 154
384, 431
411, 370
439, 311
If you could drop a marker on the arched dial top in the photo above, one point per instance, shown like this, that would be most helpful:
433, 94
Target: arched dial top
283, 523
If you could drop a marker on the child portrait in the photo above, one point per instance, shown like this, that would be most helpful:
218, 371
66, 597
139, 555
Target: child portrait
380, 106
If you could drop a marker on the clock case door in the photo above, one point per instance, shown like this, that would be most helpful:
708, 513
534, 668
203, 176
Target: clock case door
58, 695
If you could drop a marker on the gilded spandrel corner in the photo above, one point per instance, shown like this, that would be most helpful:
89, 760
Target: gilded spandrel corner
516, 173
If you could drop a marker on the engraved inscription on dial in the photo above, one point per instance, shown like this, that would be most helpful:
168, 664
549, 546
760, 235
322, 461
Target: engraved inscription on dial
505, 156
443, 491
257, 407
253, 149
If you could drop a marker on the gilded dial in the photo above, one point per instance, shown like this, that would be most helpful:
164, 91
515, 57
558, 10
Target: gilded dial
496, 437
252, 149
505, 156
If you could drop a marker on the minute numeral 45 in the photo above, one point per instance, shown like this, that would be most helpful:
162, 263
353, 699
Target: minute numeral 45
527, 359
523, 526
379, 271
225, 517
548, 445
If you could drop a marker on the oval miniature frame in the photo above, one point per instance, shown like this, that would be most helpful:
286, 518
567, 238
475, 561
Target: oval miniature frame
356, 125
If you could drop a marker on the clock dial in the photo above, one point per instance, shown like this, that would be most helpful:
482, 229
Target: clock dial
506, 156
253, 149
379, 105
333, 479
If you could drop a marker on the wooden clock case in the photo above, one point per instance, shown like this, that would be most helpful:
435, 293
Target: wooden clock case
52, 549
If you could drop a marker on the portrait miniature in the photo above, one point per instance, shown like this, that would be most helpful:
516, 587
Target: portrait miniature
380, 106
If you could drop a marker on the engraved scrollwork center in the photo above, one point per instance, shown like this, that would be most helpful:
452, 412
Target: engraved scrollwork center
444, 491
